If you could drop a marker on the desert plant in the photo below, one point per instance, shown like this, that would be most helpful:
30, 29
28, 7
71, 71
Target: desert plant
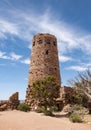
45, 91
23, 107
48, 113
54, 108
78, 109
89, 106
82, 83
40, 109
74, 117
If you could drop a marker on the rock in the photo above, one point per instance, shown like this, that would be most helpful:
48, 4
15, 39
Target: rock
3, 107
10, 104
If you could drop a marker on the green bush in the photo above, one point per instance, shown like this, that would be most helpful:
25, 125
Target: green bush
23, 107
78, 107
40, 110
75, 108
48, 113
54, 108
89, 106
74, 117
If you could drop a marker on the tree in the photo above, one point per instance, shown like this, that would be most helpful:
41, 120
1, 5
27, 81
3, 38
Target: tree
45, 91
82, 83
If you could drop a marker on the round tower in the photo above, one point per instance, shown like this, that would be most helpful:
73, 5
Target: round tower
44, 58
44, 61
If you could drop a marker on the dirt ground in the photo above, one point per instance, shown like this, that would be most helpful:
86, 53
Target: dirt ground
16, 120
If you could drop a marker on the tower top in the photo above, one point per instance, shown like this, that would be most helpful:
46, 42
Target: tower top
45, 38
44, 34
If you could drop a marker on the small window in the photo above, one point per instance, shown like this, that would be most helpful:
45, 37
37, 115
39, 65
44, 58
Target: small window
40, 41
46, 52
34, 36
48, 41
54, 43
33, 43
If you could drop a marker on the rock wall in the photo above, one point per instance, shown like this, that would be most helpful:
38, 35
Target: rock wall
44, 58
66, 94
10, 104
65, 98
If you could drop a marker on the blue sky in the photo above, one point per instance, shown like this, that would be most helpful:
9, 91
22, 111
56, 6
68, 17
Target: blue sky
68, 20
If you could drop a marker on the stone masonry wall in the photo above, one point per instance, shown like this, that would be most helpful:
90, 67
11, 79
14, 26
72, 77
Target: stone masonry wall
44, 60
66, 94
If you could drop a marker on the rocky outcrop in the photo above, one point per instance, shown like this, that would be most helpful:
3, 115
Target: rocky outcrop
10, 104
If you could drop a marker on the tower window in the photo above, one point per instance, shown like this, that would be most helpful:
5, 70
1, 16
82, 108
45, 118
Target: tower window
33, 43
40, 41
54, 43
46, 52
48, 41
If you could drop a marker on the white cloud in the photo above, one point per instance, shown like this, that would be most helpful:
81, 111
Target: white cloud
14, 56
26, 61
7, 27
11, 56
63, 58
3, 55
77, 68
69, 38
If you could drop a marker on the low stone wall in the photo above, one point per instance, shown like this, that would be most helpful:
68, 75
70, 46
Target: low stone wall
10, 104
66, 94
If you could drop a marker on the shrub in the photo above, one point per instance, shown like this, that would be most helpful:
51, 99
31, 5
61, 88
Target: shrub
48, 113
74, 117
54, 108
76, 109
40, 110
23, 107
89, 106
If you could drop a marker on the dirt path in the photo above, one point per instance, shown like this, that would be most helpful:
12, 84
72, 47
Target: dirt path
16, 120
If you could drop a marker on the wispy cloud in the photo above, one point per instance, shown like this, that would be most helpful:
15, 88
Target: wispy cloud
77, 68
15, 57
7, 27
26, 61
80, 67
3, 55
11, 56
69, 38
63, 58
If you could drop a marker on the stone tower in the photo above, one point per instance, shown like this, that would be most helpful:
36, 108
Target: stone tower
44, 60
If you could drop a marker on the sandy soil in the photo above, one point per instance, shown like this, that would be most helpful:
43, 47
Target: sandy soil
16, 120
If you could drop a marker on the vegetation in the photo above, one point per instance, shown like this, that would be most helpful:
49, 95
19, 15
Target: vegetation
48, 113
40, 109
82, 84
74, 117
45, 92
79, 109
76, 113
23, 107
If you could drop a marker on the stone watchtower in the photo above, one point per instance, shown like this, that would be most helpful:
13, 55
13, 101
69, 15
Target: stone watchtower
44, 60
